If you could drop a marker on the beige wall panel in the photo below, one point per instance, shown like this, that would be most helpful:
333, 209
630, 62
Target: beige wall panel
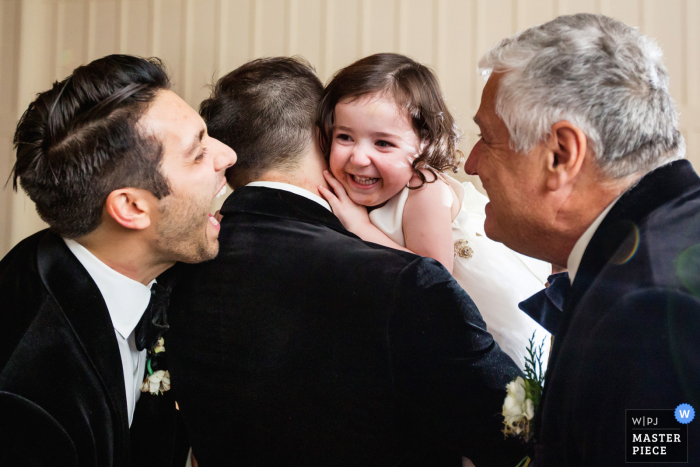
136, 26
342, 35
7, 195
379, 26
569, 7
692, 57
455, 55
235, 33
270, 36
103, 32
532, 12
419, 30
307, 24
627, 11
71, 36
200, 60
495, 20
692, 140
168, 32
35, 72
664, 21
199, 40
457, 30
9, 48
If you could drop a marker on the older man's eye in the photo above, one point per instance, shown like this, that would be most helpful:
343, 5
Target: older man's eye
200, 156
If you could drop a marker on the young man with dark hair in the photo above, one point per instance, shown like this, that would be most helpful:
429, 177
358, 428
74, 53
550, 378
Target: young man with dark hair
124, 173
309, 346
268, 107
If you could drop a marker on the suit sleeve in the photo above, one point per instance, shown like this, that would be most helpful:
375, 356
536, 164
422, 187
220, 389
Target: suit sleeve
31, 436
449, 372
645, 356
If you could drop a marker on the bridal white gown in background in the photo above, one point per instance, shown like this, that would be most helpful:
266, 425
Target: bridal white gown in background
494, 276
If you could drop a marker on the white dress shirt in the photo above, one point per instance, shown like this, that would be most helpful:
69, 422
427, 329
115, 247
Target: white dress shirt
576, 255
294, 189
126, 300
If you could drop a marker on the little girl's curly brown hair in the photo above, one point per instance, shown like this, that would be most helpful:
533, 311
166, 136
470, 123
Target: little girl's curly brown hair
413, 87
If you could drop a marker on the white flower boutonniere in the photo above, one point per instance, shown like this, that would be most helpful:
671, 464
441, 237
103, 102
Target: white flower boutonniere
523, 398
518, 410
157, 383
157, 379
160, 346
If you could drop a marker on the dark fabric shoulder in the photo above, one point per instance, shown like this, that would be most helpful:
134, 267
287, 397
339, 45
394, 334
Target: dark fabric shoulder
670, 238
31, 436
22, 293
21, 255
428, 290
444, 360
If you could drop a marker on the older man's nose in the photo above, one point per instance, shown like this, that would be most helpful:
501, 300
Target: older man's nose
470, 166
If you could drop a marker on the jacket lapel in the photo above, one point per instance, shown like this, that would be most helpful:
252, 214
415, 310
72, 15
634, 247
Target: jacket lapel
81, 302
652, 191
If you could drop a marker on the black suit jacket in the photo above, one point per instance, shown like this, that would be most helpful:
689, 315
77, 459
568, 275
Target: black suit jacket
300, 344
630, 331
62, 395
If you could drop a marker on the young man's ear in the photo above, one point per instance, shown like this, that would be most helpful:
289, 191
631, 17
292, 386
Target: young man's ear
567, 148
131, 207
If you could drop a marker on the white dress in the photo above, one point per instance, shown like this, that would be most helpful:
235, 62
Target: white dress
494, 276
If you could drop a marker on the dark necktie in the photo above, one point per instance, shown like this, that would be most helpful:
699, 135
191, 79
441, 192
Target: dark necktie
154, 321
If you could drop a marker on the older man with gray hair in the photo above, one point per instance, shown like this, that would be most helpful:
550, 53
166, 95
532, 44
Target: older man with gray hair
580, 154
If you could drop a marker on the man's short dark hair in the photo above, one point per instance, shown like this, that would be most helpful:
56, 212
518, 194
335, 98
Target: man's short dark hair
266, 111
79, 141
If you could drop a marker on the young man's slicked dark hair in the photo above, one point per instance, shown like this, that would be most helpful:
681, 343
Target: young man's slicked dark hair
80, 140
265, 110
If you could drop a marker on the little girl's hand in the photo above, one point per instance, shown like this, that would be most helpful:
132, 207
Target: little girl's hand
353, 216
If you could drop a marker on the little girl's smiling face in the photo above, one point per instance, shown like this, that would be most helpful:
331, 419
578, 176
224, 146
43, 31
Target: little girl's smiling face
373, 146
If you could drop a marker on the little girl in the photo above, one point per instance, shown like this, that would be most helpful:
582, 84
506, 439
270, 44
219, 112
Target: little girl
389, 137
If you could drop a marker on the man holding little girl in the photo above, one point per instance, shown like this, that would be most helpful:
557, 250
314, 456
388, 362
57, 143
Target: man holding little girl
330, 350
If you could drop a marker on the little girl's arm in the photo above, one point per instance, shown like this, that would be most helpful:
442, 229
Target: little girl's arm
427, 222
353, 216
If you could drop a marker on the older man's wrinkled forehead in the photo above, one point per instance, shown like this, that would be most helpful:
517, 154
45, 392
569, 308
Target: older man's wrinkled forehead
486, 117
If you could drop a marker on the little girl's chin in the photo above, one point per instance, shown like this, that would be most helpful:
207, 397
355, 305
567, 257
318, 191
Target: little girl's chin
370, 202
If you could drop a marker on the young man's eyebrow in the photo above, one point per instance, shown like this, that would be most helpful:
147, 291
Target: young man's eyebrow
196, 142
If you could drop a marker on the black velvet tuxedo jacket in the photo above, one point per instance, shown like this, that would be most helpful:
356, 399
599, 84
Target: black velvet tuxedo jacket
62, 395
630, 331
300, 344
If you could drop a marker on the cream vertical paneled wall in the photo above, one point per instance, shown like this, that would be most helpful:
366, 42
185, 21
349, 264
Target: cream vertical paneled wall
199, 40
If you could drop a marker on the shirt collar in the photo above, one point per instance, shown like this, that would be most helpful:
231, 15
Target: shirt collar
126, 299
576, 255
293, 189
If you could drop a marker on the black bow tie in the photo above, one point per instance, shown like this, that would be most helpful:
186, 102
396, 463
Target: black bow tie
546, 306
154, 321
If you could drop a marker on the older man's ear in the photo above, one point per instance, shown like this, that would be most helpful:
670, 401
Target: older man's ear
567, 150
